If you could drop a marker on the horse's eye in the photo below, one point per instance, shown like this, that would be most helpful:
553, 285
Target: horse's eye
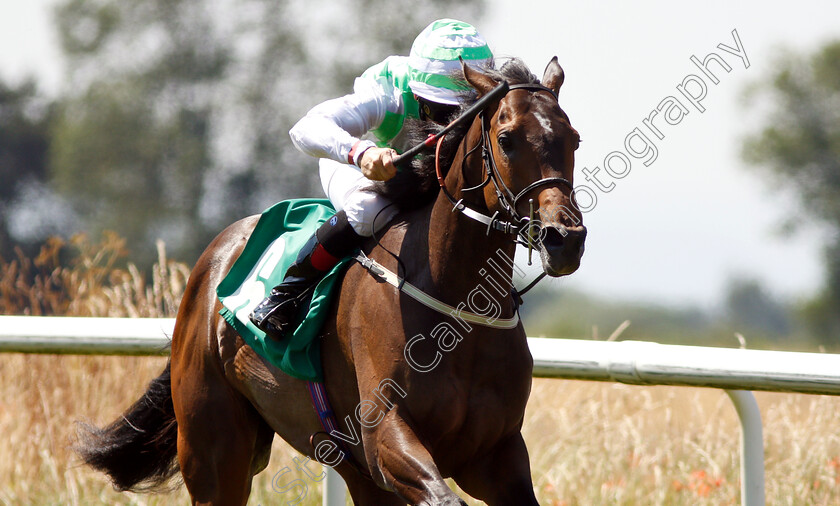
506, 142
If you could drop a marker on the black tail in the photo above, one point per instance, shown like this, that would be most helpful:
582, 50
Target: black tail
138, 449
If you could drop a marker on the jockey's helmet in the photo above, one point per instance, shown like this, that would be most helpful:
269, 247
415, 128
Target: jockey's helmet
434, 59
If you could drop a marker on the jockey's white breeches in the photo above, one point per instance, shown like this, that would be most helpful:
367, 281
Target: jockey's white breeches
345, 186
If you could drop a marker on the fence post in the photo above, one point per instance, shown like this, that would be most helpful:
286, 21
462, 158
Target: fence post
335, 491
752, 447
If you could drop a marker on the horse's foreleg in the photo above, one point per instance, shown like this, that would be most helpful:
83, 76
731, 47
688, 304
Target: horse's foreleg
502, 477
401, 463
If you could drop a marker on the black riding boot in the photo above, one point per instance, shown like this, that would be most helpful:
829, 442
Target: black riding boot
335, 239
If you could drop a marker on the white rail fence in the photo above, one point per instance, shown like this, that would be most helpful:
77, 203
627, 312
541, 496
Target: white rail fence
633, 362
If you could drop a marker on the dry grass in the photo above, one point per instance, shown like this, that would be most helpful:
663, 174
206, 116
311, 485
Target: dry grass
590, 443
79, 278
618, 444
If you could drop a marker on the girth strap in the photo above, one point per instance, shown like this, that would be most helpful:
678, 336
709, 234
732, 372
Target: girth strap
321, 403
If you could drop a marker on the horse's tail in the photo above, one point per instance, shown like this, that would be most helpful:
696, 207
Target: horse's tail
138, 450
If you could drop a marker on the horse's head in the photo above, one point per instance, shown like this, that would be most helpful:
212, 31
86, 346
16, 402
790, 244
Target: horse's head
532, 146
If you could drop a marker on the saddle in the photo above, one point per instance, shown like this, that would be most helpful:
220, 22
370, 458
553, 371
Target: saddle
273, 246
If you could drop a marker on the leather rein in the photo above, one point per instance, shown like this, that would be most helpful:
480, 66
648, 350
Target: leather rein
515, 224
509, 201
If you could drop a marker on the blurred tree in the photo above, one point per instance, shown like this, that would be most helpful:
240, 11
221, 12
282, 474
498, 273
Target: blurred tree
800, 146
24, 125
750, 308
176, 112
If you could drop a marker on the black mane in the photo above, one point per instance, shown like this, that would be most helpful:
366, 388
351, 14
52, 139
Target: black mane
414, 188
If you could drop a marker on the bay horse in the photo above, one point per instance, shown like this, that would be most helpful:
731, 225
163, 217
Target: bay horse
411, 413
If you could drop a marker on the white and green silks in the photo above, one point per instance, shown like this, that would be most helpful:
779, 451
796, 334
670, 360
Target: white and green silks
383, 96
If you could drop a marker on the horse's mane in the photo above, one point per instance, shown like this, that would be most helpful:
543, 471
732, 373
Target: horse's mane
414, 188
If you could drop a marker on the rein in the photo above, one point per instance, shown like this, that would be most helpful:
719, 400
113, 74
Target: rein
515, 223
506, 197
509, 201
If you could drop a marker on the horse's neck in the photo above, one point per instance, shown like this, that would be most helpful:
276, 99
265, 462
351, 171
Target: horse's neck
462, 256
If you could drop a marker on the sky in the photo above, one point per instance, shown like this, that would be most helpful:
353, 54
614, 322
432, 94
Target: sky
671, 229
674, 231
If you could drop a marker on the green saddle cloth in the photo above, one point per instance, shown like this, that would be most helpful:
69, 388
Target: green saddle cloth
273, 246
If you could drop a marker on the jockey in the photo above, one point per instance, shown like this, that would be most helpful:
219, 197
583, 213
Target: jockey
422, 85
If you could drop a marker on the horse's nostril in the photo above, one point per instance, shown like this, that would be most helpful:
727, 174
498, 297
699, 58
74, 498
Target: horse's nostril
559, 238
553, 237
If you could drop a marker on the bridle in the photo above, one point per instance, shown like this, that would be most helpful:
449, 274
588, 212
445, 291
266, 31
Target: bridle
515, 222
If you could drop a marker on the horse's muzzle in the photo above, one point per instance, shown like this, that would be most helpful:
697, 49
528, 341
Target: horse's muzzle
562, 249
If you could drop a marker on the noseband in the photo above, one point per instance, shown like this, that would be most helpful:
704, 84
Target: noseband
508, 200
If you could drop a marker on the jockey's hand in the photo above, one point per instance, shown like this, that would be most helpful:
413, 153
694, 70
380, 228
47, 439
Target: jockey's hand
377, 164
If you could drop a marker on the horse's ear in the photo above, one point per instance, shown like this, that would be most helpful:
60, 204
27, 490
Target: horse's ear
554, 75
478, 80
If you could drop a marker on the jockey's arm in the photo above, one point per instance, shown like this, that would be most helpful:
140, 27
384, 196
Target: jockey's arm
332, 129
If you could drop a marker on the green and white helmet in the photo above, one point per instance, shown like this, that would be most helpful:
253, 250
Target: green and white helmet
434, 59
